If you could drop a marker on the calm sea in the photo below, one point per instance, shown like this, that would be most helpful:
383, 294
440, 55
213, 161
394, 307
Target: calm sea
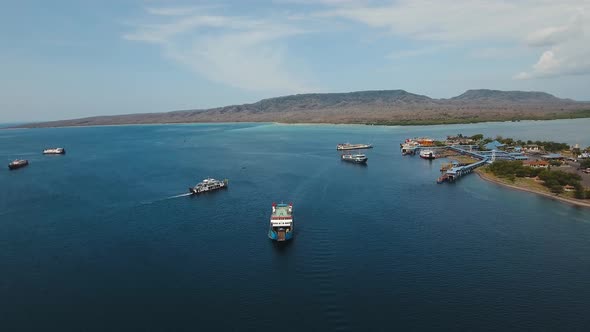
96, 241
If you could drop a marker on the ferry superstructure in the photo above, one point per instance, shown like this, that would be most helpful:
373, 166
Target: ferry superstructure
357, 158
410, 145
209, 184
19, 163
281, 222
54, 151
427, 154
348, 146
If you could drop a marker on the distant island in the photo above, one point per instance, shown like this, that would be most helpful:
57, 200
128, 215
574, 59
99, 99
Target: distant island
385, 107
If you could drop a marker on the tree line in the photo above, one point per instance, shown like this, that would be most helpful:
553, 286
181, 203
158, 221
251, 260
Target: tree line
554, 180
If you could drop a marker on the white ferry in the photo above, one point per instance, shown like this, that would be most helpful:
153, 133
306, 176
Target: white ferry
208, 185
427, 154
358, 158
54, 151
281, 222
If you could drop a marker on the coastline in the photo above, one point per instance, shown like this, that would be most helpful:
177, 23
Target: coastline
570, 201
421, 123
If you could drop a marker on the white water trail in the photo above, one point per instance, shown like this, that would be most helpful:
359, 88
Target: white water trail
166, 198
177, 196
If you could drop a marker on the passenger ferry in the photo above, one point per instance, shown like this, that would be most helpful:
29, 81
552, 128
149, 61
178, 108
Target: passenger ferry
19, 163
55, 151
208, 185
357, 158
427, 154
348, 146
281, 222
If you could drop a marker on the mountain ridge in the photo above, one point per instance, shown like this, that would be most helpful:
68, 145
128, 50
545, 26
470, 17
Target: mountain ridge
369, 107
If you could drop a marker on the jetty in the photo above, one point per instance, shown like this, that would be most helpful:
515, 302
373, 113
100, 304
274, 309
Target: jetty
456, 171
453, 171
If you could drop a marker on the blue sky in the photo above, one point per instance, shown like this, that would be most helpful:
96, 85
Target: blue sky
66, 59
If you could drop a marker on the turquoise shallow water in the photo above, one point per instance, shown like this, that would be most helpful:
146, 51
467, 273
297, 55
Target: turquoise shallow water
93, 240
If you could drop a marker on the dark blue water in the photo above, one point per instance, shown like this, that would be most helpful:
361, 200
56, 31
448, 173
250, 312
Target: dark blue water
92, 241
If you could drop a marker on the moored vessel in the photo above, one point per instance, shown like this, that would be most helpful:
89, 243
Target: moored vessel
357, 158
348, 146
281, 222
19, 163
409, 147
209, 184
54, 151
427, 154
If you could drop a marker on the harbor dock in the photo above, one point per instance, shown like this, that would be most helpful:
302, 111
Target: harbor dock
451, 172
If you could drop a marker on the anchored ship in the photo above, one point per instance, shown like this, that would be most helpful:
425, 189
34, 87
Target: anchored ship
427, 154
410, 145
54, 151
358, 158
18, 164
208, 185
348, 146
281, 222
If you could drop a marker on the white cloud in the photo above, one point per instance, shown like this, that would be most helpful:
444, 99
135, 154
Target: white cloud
242, 52
553, 35
563, 26
558, 61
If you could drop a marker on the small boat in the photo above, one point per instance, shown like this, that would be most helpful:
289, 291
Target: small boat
54, 151
348, 146
357, 158
208, 185
427, 154
19, 163
281, 222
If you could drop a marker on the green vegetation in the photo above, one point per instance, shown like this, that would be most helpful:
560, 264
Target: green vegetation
478, 119
585, 163
553, 180
512, 169
477, 137
549, 146
439, 143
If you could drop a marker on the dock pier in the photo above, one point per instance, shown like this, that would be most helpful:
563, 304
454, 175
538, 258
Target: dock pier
457, 171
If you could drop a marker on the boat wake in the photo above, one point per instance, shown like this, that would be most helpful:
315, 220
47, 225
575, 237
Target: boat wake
165, 199
177, 196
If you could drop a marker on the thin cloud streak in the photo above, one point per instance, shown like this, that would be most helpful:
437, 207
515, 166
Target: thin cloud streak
242, 52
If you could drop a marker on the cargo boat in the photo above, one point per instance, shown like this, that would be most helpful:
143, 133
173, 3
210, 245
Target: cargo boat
427, 154
208, 185
348, 146
54, 151
19, 163
355, 158
281, 222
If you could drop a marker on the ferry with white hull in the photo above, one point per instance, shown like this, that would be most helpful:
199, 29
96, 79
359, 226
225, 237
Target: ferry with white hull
357, 158
348, 146
54, 151
281, 222
208, 185
427, 154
